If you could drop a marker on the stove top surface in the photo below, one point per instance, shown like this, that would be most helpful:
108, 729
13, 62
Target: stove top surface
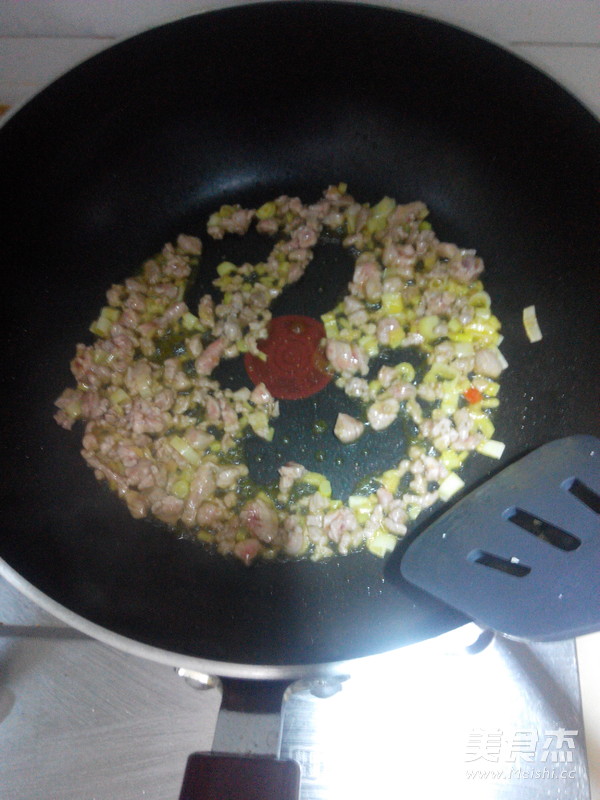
81, 720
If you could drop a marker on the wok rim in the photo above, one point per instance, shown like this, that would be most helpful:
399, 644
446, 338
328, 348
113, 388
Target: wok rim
459, 638
197, 663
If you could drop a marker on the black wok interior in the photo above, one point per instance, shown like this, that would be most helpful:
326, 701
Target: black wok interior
240, 105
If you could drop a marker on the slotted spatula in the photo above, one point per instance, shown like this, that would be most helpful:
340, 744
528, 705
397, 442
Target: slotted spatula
521, 553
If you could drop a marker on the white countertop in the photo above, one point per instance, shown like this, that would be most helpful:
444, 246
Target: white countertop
41, 39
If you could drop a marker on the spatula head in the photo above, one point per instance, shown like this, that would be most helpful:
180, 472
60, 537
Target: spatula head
521, 554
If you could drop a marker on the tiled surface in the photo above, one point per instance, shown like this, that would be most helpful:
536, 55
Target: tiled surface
502, 20
575, 67
588, 653
40, 39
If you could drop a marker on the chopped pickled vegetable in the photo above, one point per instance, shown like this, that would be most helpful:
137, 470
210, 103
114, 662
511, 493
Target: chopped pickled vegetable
452, 484
491, 448
530, 322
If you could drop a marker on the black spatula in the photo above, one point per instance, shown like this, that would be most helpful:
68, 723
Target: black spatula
521, 554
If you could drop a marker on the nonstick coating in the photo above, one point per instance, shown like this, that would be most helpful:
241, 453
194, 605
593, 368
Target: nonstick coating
141, 143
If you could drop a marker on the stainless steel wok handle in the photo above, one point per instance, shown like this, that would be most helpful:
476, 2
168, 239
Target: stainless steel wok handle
245, 761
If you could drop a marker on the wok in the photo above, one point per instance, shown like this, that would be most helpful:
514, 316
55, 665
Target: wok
142, 142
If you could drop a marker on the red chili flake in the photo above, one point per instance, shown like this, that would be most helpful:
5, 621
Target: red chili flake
296, 366
473, 395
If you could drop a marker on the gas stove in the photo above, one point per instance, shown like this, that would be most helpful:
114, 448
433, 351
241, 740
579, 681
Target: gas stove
460, 717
